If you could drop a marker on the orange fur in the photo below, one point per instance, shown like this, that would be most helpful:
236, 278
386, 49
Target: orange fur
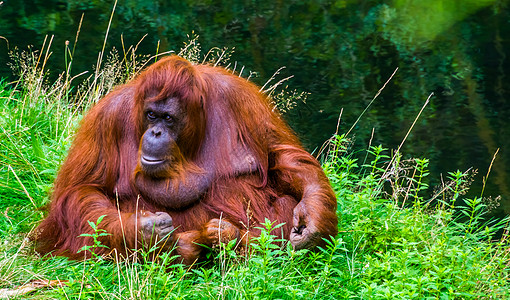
229, 124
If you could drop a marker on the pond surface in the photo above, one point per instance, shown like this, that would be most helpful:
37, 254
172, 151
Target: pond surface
341, 52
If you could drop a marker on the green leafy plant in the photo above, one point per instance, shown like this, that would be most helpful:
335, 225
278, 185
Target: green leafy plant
96, 235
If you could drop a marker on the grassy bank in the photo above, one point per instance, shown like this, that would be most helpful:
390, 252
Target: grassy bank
396, 240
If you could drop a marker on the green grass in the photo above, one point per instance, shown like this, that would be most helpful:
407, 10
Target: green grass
396, 240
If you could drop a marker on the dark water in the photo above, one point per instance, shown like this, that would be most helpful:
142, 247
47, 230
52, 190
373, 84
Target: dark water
340, 51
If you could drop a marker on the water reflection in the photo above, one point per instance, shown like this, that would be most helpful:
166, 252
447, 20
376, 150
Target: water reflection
340, 51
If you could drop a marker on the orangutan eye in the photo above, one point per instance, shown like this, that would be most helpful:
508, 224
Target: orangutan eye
169, 119
151, 115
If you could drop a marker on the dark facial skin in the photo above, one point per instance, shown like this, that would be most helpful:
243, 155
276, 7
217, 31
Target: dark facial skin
160, 154
163, 125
